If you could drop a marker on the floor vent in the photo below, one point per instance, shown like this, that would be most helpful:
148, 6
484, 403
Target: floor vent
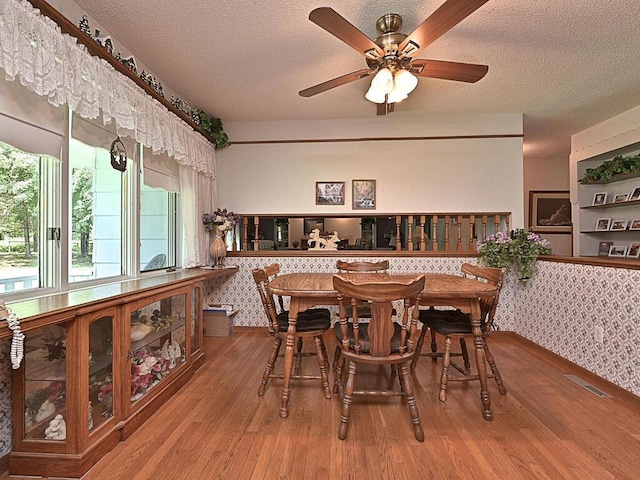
588, 386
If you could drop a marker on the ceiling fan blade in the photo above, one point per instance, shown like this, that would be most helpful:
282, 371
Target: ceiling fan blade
460, 72
437, 24
335, 82
337, 26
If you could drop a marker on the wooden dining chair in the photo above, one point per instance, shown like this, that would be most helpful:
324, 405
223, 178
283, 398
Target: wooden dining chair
380, 341
364, 308
456, 324
312, 323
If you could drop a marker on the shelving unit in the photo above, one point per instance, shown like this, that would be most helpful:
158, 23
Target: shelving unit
594, 242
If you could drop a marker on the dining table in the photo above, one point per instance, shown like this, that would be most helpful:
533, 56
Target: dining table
307, 289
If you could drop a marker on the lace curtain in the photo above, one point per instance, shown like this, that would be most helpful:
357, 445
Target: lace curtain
52, 64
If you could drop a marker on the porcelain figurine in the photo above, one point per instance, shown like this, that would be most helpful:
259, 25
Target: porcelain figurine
57, 429
140, 330
171, 351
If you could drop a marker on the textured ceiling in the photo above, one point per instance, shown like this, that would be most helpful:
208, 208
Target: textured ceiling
564, 64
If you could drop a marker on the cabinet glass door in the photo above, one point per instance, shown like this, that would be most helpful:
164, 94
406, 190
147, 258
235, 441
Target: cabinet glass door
100, 371
45, 383
158, 341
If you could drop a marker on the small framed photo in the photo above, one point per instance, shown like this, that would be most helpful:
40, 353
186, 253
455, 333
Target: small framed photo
619, 225
364, 194
603, 249
621, 197
329, 193
635, 225
600, 198
634, 250
634, 195
603, 224
618, 251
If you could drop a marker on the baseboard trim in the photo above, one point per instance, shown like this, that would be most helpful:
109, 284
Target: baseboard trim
568, 366
4, 464
243, 329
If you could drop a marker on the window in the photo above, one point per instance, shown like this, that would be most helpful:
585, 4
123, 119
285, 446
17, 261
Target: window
95, 200
157, 228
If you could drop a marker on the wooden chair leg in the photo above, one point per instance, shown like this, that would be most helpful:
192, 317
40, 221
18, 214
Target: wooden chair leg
298, 356
322, 363
446, 361
338, 366
494, 369
465, 355
347, 399
411, 402
418, 348
326, 356
277, 342
434, 344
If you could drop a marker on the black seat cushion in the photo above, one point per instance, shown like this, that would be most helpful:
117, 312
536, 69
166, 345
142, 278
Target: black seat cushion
365, 340
312, 319
437, 319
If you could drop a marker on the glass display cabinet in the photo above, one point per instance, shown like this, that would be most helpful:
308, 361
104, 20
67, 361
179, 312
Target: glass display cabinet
156, 333
96, 367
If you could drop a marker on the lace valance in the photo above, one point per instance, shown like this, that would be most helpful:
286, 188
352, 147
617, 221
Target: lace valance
34, 50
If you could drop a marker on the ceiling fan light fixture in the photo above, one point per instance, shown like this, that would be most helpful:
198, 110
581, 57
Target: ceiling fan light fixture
405, 81
375, 95
383, 80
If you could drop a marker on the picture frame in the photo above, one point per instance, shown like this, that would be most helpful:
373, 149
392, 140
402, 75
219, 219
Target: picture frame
618, 251
311, 224
603, 224
621, 197
634, 250
329, 193
618, 225
364, 194
603, 249
550, 211
599, 198
634, 195
634, 225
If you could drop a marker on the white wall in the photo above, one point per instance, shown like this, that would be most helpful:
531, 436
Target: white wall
414, 174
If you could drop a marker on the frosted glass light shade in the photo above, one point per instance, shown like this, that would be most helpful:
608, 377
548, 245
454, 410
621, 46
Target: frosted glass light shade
383, 80
396, 95
405, 81
375, 95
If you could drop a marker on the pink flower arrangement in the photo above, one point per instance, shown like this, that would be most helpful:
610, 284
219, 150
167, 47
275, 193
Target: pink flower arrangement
147, 367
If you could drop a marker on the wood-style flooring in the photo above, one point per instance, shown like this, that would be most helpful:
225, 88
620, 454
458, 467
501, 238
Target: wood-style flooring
547, 427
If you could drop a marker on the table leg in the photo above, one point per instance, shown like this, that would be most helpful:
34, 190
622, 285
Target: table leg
481, 365
288, 357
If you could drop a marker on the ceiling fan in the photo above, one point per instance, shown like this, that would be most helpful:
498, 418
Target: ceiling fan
390, 57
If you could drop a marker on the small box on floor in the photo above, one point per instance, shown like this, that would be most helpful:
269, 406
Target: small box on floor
218, 321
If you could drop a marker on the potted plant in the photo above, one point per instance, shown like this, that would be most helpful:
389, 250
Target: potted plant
518, 249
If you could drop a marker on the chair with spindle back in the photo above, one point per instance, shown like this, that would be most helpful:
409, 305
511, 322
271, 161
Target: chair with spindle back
311, 323
381, 341
364, 308
454, 323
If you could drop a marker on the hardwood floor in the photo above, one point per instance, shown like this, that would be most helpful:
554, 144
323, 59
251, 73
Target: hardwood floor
547, 427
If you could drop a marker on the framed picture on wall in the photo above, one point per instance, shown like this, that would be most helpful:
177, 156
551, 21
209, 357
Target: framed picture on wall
634, 195
634, 250
603, 249
329, 193
364, 194
603, 224
311, 224
621, 197
600, 198
549, 211
635, 225
618, 251
619, 225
